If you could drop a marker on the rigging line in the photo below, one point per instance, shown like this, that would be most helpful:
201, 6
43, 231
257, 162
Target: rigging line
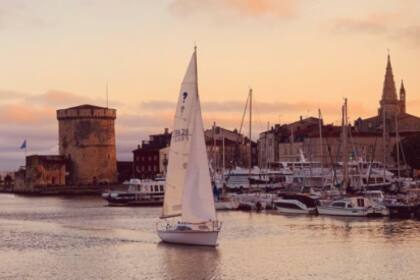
243, 115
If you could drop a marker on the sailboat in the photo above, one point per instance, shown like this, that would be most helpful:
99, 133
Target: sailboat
188, 192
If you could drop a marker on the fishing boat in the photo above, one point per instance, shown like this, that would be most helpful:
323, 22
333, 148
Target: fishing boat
189, 214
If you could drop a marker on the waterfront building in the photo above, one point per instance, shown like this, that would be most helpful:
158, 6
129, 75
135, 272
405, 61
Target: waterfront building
41, 171
124, 170
87, 140
283, 142
146, 158
231, 144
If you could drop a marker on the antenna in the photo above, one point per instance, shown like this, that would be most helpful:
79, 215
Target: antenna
107, 95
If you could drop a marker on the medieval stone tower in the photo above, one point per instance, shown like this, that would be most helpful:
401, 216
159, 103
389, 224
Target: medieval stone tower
87, 139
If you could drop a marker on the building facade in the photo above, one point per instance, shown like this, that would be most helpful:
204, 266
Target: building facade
229, 148
146, 158
283, 142
41, 171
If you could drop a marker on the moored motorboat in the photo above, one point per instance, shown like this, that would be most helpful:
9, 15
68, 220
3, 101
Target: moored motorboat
295, 204
348, 206
146, 192
227, 203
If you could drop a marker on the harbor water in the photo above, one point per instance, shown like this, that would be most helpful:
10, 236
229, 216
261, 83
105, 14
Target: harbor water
81, 238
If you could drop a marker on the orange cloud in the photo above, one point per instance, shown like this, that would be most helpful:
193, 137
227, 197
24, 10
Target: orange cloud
25, 114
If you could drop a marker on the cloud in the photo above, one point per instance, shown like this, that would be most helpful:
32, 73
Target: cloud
372, 24
410, 34
388, 25
25, 114
223, 8
237, 106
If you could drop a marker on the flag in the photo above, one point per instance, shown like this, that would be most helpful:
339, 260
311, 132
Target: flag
23, 146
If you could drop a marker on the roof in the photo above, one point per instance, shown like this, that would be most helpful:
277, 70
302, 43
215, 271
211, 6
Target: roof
86, 106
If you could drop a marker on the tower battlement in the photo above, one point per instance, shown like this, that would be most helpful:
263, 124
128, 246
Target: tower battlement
86, 111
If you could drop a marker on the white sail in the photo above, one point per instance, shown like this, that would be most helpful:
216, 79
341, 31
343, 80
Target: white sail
198, 201
181, 142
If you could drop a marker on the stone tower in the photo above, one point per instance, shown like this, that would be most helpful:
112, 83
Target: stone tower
389, 102
87, 139
402, 98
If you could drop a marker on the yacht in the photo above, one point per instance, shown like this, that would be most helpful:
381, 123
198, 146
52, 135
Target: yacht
146, 192
357, 206
295, 204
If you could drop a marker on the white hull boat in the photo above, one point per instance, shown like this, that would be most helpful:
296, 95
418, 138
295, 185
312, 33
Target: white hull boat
188, 190
227, 205
295, 204
204, 238
348, 206
333, 211
190, 234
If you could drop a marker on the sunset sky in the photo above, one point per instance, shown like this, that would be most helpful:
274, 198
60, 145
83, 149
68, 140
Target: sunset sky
297, 55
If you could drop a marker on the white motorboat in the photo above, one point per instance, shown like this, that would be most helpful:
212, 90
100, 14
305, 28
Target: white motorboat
358, 206
188, 187
144, 192
295, 204
227, 202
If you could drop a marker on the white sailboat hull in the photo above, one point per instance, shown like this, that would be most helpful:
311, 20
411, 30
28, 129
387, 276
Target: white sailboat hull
194, 237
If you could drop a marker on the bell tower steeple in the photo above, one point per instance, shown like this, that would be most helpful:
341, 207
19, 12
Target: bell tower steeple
389, 102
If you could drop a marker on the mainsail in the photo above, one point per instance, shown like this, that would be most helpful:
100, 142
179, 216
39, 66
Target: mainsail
181, 142
197, 200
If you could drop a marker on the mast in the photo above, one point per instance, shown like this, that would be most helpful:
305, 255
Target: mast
321, 151
397, 139
223, 160
292, 142
384, 139
345, 152
250, 129
266, 147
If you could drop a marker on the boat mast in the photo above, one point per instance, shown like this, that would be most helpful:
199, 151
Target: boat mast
345, 152
320, 137
250, 129
223, 161
384, 139
397, 139
266, 146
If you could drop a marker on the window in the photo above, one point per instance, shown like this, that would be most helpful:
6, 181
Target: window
339, 204
161, 188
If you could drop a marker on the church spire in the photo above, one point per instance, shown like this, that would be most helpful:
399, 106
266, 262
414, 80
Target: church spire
389, 92
389, 102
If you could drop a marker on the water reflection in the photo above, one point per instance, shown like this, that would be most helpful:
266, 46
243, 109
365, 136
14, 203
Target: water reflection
189, 262
80, 238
